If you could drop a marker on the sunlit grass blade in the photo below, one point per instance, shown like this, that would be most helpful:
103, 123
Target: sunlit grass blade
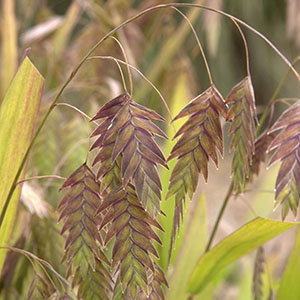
233, 247
289, 287
18, 115
180, 97
9, 52
193, 244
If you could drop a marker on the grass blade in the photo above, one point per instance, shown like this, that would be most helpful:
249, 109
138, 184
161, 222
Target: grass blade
233, 247
17, 118
9, 53
289, 287
189, 251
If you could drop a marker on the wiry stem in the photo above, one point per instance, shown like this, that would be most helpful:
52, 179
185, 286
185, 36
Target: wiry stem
41, 177
220, 215
77, 109
105, 37
245, 45
198, 42
127, 63
142, 75
269, 108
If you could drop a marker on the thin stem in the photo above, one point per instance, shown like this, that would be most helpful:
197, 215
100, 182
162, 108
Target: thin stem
142, 75
127, 64
198, 42
122, 76
77, 109
269, 108
77, 68
221, 212
245, 45
41, 177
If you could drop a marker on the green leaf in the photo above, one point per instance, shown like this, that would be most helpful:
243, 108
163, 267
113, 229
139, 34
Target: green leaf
289, 287
9, 50
18, 114
193, 243
233, 247
179, 98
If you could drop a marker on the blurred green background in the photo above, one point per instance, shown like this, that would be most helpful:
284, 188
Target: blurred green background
56, 34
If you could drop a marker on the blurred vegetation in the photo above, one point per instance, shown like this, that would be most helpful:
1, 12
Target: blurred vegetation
58, 33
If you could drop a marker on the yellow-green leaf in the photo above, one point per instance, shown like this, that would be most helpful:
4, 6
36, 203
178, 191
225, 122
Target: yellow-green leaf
233, 247
193, 243
289, 287
18, 115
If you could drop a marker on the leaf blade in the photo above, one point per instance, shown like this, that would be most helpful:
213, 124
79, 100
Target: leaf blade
239, 243
19, 109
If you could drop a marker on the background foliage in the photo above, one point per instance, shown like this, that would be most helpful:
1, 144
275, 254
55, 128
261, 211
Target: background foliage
59, 33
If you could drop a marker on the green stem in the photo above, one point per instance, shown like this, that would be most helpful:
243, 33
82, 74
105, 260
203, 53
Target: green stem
106, 36
221, 212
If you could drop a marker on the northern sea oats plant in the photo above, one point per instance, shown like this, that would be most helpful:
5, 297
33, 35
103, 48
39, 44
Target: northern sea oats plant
111, 213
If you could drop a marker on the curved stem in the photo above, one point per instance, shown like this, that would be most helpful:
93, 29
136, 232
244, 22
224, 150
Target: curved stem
221, 212
127, 63
41, 177
245, 45
198, 42
142, 75
269, 108
105, 37
77, 109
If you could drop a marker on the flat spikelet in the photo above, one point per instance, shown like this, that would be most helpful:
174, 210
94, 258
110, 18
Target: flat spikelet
201, 136
286, 143
241, 115
133, 252
126, 143
82, 248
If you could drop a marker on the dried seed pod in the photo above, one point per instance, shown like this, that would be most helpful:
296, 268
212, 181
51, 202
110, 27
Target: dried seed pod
241, 115
201, 137
126, 143
286, 143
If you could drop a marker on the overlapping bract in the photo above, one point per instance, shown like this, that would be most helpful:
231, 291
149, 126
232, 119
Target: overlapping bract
82, 249
286, 143
126, 143
261, 147
133, 252
241, 115
200, 138
40, 288
155, 285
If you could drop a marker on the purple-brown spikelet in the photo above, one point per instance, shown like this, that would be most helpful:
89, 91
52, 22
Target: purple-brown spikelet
241, 115
83, 240
126, 143
286, 143
133, 253
201, 137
